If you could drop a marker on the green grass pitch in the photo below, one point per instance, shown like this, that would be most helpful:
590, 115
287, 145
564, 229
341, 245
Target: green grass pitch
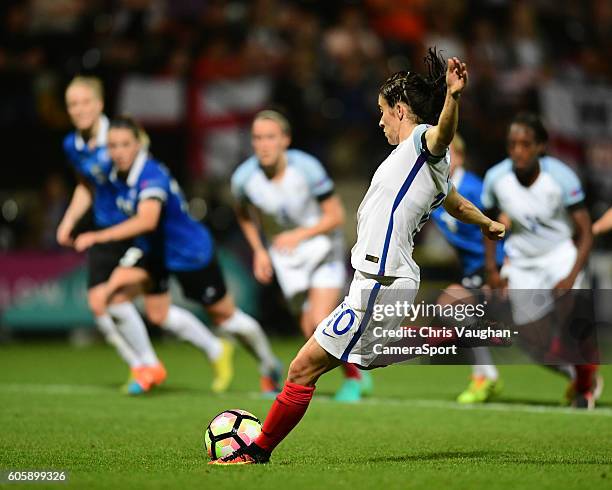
60, 409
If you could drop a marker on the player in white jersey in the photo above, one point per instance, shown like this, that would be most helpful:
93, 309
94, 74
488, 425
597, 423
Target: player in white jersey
544, 200
286, 195
412, 180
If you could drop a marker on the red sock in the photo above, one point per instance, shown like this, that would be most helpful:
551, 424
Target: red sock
585, 375
287, 410
351, 371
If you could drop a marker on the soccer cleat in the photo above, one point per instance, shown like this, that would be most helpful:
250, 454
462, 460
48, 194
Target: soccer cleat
132, 376
480, 390
583, 400
142, 381
349, 392
158, 373
367, 383
270, 383
223, 368
251, 454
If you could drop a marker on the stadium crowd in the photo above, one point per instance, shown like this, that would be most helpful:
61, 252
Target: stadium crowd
322, 62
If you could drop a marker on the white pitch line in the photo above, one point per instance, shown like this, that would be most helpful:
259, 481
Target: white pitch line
446, 404
53, 389
68, 389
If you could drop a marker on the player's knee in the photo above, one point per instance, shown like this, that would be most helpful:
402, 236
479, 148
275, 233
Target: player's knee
97, 305
157, 316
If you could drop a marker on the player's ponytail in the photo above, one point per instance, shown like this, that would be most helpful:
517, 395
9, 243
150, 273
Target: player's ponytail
423, 94
127, 122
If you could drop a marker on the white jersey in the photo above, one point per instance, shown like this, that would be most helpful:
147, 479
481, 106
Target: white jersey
404, 191
540, 220
292, 201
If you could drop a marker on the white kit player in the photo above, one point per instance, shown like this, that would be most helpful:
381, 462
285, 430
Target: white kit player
407, 185
544, 201
291, 217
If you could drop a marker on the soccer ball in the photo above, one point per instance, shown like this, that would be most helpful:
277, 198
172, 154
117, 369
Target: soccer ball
230, 430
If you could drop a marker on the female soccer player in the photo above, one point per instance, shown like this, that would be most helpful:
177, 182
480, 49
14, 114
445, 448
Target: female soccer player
287, 195
85, 148
405, 187
549, 245
170, 241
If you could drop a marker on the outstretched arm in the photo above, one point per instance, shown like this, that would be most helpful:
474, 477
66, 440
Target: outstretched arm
144, 221
439, 137
465, 211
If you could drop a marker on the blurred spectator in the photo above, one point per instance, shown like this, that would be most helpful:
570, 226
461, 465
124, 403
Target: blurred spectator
319, 62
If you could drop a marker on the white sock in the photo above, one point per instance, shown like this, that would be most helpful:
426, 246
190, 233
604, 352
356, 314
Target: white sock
113, 337
248, 331
483, 363
186, 326
132, 328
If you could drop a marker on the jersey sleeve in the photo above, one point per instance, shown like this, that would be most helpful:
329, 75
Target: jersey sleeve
154, 185
72, 158
420, 144
319, 182
239, 180
571, 188
487, 196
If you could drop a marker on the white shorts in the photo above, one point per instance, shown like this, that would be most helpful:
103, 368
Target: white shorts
530, 282
330, 273
348, 332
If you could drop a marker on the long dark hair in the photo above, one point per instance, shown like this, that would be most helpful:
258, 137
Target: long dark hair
127, 122
423, 94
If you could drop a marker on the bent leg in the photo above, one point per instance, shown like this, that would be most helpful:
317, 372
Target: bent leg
291, 404
123, 285
245, 328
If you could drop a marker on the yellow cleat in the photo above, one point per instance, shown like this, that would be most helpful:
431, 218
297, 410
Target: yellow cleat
480, 390
223, 368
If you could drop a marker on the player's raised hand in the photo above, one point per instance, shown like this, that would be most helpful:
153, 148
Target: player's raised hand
262, 267
494, 230
85, 241
456, 76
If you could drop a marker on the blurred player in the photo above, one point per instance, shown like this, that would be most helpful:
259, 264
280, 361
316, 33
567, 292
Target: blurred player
405, 188
603, 224
544, 200
468, 243
287, 195
173, 243
85, 148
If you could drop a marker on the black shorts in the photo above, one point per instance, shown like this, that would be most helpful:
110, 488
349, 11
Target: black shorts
206, 286
102, 259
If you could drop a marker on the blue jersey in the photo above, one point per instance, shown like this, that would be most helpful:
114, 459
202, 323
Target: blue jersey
466, 239
180, 241
94, 165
